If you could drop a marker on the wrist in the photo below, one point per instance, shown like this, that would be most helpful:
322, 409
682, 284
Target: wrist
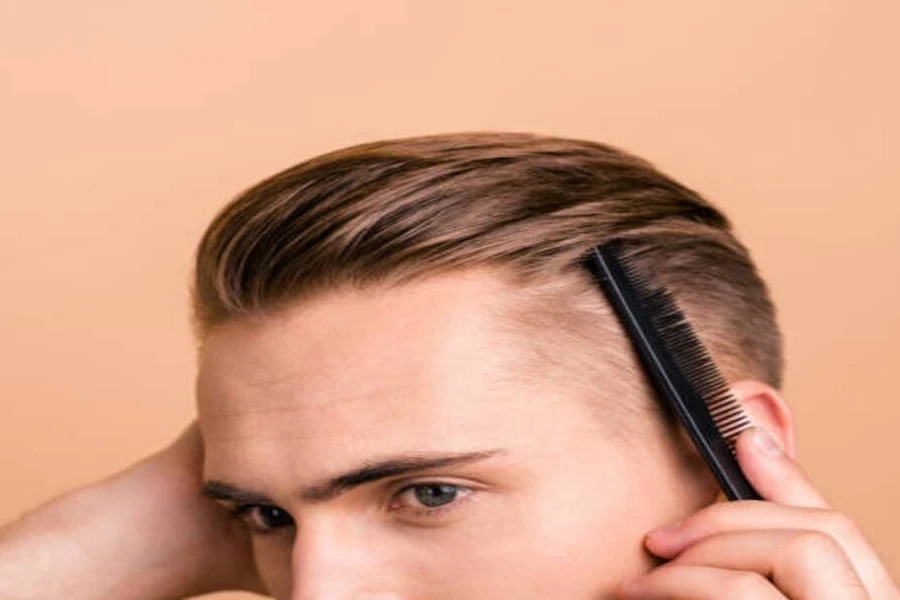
99, 541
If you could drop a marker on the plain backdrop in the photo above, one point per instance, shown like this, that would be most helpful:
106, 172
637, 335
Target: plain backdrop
125, 126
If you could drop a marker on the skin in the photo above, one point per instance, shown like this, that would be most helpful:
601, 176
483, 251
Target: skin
292, 399
792, 544
561, 511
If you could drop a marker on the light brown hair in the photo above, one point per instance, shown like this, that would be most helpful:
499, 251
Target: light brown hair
396, 211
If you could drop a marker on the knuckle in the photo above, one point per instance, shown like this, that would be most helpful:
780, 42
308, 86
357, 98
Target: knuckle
813, 546
840, 526
746, 584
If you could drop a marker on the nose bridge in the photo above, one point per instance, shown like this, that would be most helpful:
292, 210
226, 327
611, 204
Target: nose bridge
340, 559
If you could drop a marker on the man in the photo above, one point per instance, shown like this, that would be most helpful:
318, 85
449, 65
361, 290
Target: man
410, 388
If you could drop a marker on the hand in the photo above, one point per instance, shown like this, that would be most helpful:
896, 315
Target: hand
143, 533
790, 545
213, 551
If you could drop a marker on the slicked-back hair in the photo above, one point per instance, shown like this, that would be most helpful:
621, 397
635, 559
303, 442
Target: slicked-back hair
393, 212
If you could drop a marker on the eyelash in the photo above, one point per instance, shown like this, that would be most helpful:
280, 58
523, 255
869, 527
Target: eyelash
242, 512
440, 510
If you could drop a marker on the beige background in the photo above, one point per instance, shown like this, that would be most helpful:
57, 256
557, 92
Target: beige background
125, 126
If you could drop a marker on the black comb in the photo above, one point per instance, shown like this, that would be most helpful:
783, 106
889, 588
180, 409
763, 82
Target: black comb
678, 365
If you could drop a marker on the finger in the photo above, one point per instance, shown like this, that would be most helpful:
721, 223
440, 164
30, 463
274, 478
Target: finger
802, 563
721, 517
691, 582
773, 473
671, 540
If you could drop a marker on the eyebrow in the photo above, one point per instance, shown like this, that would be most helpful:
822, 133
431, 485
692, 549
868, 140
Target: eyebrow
366, 473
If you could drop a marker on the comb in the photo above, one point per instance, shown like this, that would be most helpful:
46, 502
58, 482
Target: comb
678, 365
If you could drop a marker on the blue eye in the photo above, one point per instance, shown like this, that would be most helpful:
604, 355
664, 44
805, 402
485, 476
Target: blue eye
434, 495
423, 499
262, 519
430, 499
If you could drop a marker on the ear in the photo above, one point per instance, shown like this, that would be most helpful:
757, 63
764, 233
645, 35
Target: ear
767, 409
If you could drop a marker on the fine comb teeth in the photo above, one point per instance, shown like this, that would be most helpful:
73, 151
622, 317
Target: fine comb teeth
692, 358
677, 364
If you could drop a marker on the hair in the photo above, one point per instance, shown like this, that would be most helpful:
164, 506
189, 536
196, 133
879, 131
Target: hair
397, 211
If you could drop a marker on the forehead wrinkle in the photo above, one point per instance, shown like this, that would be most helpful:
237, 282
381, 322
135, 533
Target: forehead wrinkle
436, 426
229, 391
404, 386
241, 408
464, 341
293, 422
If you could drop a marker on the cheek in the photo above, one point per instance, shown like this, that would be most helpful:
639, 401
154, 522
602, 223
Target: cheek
566, 539
570, 538
575, 540
273, 563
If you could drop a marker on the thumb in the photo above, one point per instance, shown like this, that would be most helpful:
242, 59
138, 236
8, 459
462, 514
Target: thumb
774, 474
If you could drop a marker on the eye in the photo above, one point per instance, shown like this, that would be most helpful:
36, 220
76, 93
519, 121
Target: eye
431, 498
262, 519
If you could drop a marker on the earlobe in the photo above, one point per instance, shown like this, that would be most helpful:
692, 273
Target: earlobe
767, 408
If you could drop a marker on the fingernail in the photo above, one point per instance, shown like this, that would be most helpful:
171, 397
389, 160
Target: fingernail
766, 442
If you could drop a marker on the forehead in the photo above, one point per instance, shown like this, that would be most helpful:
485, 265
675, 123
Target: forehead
361, 373
348, 343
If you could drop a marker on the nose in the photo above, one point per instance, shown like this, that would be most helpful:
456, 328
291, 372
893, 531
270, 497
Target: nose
343, 559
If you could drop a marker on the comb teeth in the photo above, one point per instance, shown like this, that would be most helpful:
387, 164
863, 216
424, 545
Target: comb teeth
692, 357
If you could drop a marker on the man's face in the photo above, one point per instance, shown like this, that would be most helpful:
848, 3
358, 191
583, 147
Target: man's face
546, 501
